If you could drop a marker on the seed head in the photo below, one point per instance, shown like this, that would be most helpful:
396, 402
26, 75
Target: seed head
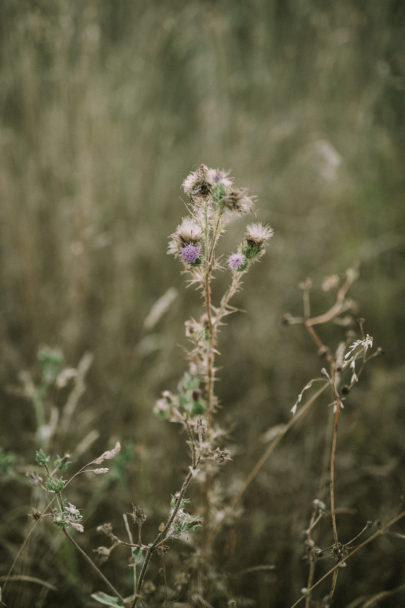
257, 234
198, 183
105, 529
102, 554
238, 201
138, 515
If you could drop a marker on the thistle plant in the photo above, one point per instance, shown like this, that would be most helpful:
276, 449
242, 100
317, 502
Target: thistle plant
213, 203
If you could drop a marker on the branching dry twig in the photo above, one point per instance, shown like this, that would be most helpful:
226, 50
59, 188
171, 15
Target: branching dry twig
379, 532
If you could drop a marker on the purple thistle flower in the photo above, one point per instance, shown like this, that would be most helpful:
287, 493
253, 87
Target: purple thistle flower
190, 253
235, 261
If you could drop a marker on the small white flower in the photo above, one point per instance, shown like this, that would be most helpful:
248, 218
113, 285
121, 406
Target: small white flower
238, 201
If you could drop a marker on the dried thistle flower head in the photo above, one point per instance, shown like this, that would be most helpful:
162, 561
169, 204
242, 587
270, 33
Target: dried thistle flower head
138, 515
238, 201
205, 182
105, 529
189, 232
199, 182
102, 554
258, 234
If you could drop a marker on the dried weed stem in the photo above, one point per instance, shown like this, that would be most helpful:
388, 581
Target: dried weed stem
259, 464
92, 564
162, 535
379, 532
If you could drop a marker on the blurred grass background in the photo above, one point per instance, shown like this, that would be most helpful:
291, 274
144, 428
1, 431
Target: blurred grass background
105, 106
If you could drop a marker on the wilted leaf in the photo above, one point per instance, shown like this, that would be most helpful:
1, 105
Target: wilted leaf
109, 454
107, 600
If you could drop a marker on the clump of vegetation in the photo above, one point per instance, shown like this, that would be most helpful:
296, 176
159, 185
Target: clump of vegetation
196, 524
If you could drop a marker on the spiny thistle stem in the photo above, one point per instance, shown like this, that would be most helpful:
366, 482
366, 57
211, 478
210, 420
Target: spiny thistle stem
210, 375
210, 378
209, 382
224, 307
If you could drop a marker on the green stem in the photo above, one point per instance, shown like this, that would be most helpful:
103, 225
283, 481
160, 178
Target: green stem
78, 547
93, 565
210, 372
211, 327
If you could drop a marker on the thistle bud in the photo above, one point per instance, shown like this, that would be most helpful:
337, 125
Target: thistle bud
256, 236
